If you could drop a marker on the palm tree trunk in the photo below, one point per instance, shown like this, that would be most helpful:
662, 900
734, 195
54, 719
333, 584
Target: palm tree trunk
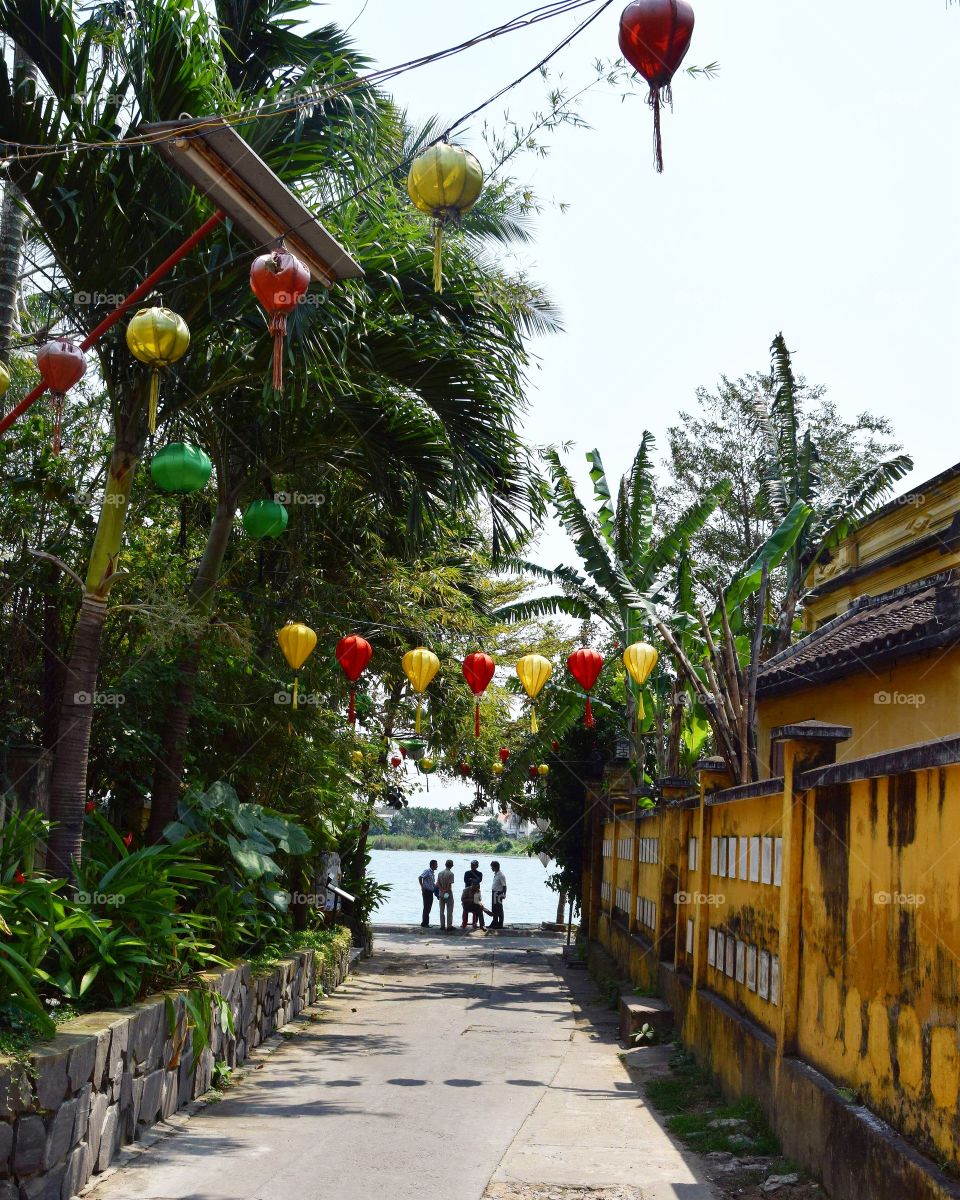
168, 774
68, 791
12, 225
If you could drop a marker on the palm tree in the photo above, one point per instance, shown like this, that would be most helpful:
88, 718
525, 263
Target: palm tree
791, 476
435, 386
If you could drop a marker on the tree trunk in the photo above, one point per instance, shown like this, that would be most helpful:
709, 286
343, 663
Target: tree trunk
561, 908
68, 793
168, 774
12, 224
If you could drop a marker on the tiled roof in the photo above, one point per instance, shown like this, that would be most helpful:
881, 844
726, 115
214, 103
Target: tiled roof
873, 632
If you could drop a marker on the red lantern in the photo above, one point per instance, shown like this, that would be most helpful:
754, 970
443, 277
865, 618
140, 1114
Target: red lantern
464, 769
585, 666
554, 745
61, 364
478, 670
654, 37
504, 755
353, 654
89, 807
532, 771
279, 280
396, 761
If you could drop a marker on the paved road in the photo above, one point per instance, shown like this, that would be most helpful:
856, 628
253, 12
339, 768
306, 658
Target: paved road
443, 1070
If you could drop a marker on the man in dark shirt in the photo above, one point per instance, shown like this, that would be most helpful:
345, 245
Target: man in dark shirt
471, 882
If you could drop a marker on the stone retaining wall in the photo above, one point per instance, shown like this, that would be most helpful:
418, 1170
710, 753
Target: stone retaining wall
107, 1077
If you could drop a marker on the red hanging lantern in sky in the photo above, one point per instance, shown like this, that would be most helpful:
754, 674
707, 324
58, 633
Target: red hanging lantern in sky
396, 761
504, 755
532, 770
61, 364
478, 670
353, 654
654, 37
464, 769
279, 280
585, 666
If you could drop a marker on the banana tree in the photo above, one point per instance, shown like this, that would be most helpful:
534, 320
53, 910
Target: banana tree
638, 580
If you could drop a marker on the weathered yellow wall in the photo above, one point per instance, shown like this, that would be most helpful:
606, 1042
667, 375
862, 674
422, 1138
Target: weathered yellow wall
928, 510
744, 909
933, 682
880, 982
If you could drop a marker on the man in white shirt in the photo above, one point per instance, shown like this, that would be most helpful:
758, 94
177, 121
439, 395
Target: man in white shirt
428, 886
498, 892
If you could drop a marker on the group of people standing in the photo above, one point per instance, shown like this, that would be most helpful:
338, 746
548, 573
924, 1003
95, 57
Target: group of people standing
441, 886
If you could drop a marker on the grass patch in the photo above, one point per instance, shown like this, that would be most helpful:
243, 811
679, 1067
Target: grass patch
690, 1100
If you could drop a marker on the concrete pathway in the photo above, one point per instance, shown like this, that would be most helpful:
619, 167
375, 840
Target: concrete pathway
444, 1070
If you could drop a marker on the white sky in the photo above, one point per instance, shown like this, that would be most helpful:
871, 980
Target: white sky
811, 187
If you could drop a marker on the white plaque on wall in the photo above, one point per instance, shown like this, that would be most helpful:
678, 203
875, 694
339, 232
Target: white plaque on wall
754, 860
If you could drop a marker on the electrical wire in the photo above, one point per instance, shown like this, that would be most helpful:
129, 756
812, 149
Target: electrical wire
27, 151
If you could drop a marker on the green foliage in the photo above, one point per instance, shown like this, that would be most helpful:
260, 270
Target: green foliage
690, 1099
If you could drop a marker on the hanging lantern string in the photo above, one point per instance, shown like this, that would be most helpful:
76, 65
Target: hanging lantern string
400, 166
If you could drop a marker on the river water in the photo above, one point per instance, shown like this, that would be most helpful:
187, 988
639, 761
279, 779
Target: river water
528, 902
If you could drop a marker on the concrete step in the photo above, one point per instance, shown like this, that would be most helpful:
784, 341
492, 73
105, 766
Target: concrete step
637, 1011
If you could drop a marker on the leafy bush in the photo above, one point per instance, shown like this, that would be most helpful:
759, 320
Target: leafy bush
251, 848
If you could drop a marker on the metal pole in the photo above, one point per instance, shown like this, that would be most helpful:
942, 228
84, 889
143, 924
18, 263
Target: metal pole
109, 321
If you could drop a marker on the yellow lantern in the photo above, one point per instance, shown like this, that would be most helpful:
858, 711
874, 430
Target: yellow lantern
356, 757
420, 666
497, 768
158, 337
297, 643
640, 659
444, 182
534, 671
543, 770
4, 379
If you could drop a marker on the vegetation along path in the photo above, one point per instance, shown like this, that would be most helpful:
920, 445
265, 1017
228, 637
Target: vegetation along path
459, 1069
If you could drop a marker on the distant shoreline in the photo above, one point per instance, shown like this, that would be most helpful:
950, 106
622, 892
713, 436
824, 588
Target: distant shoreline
397, 841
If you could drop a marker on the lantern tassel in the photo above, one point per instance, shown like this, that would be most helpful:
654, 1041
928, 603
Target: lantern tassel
438, 256
296, 691
534, 727
417, 722
57, 398
353, 714
476, 720
278, 327
654, 101
588, 716
153, 399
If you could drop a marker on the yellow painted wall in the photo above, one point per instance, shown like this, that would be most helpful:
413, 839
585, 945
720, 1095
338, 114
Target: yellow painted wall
745, 910
933, 680
880, 961
930, 509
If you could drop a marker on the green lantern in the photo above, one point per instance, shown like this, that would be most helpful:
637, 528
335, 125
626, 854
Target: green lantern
415, 747
180, 468
265, 518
